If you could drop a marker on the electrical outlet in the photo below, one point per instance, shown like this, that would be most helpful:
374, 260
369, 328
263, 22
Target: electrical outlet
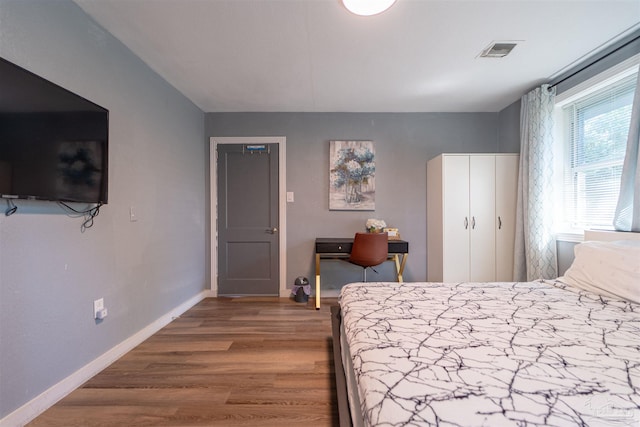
98, 306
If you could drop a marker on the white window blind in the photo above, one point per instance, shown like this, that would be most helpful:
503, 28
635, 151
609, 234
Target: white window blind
598, 128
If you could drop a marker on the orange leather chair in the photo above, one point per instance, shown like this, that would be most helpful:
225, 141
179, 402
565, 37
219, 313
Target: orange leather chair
369, 250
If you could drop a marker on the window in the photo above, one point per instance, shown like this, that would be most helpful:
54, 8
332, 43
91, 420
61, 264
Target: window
594, 125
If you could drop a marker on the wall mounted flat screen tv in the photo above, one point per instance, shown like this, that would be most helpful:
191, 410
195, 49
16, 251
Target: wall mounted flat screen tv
53, 143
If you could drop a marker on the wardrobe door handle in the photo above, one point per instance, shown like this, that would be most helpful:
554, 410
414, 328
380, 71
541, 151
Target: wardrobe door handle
466, 223
473, 222
499, 223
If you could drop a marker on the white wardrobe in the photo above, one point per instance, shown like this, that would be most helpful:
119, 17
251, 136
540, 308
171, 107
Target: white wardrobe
471, 208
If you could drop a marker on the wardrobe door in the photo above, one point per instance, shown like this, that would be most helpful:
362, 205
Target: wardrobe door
482, 257
456, 221
506, 194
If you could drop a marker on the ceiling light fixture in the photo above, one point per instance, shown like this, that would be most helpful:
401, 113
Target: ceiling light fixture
367, 7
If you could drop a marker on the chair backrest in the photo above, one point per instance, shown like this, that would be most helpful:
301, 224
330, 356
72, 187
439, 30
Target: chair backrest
369, 249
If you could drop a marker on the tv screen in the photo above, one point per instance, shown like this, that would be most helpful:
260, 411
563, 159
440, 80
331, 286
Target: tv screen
53, 143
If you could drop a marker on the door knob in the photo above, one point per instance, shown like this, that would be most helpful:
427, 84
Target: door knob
273, 230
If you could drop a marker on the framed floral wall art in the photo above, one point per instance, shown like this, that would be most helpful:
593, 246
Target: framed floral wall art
352, 170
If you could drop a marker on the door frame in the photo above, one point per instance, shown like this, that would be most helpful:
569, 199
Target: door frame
282, 203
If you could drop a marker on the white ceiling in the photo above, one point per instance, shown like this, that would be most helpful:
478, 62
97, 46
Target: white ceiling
315, 56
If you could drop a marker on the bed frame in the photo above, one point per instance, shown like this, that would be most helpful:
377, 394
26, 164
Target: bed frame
341, 383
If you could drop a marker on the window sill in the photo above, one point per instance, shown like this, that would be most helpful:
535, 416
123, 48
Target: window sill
576, 235
572, 236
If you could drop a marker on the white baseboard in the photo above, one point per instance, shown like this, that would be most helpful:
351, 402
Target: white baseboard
285, 293
49, 397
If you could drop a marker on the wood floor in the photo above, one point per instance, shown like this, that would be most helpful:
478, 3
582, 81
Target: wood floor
225, 362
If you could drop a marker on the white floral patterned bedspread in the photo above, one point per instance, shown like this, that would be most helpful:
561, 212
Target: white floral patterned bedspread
492, 354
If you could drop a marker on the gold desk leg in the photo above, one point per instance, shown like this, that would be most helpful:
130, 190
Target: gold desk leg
400, 265
317, 281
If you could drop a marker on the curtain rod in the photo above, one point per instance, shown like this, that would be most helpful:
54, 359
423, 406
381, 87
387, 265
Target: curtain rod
592, 63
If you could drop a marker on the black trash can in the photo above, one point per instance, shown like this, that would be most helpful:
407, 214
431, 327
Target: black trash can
301, 289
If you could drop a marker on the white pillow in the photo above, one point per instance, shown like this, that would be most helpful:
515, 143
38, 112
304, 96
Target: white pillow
607, 268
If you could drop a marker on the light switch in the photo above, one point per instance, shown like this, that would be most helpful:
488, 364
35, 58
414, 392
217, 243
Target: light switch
289, 196
133, 217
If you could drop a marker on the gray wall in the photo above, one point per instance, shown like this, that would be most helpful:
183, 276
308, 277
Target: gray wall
509, 129
565, 255
50, 272
404, 142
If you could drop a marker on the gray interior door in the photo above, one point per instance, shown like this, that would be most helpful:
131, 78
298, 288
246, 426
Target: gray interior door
248, 217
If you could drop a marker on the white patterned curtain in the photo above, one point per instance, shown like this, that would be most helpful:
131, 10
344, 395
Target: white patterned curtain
535, 245
627, 216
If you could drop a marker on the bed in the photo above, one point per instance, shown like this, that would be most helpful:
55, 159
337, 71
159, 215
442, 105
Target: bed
545, 353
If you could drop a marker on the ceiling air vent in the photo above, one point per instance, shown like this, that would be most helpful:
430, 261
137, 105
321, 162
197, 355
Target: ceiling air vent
498, 50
